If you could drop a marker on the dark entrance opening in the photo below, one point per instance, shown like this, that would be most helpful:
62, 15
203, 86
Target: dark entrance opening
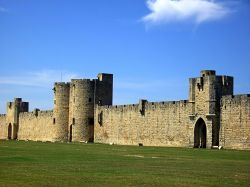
91, 129
70, 133
9, 131
200, 134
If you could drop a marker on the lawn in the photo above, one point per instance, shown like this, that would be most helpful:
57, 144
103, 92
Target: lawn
74, 164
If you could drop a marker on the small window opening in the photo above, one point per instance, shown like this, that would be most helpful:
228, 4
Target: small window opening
100, 116
73, 121
90, 100
91, 121
54, 120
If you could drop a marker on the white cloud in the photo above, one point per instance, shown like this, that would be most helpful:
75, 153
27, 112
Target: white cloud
44, 78
198, 11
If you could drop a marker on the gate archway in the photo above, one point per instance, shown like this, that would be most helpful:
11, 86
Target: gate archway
200, 134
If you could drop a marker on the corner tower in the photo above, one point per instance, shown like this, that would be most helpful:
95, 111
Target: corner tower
205, 93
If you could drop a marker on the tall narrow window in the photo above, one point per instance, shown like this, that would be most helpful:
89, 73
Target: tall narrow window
91, 121
100, 117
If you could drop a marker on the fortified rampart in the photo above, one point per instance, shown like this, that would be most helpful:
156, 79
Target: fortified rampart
72, 118
147, 123
201, 121
83, 112
37, 126
235, 122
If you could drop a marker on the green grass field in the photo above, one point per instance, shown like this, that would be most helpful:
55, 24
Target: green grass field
75, 164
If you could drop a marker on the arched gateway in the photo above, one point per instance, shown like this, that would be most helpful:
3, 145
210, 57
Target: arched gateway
200, 134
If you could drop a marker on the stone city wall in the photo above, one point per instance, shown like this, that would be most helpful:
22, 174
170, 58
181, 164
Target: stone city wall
3, 127
235, 122
37, 126
150, 124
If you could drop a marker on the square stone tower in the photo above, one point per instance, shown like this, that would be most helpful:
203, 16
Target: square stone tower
12, 118
205, 93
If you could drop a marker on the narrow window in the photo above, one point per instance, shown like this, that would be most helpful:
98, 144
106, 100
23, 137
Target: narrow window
100, 118
91, 121
73, 121
54, 120
90, 100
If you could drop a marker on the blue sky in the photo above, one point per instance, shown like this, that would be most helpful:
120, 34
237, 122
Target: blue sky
151, 47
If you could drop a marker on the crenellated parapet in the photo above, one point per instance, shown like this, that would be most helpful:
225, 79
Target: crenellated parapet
84, 112
147, 123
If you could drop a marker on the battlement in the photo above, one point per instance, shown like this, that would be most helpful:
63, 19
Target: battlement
17, 99
36, 113
205, 73
111, 107
235, 99
105, 77
148, 105
83, 111
82, 80
62, 84
17, 106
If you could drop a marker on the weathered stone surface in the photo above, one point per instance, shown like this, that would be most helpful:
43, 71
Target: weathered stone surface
3, 127
199, 122
61, 111
235, 122
83, 112
162, 124
72, 118
38, 126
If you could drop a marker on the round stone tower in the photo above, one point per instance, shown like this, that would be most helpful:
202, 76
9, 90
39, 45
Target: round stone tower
81, 110
61, 111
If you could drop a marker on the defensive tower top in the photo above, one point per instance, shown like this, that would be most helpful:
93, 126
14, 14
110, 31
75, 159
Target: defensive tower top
205, 73
105, 77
